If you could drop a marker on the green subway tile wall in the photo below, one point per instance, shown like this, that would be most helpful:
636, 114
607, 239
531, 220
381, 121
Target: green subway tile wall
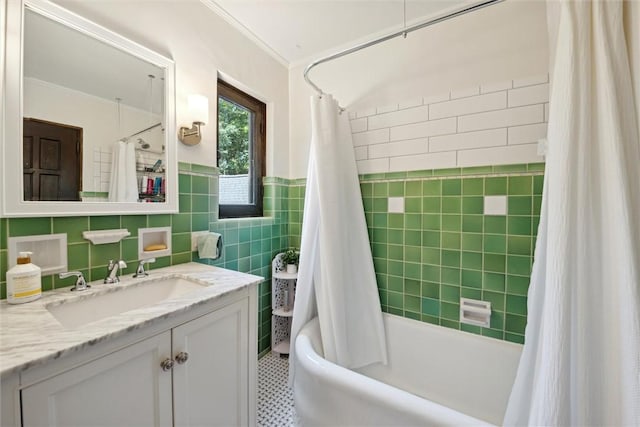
443, 247
249, 244
295, 206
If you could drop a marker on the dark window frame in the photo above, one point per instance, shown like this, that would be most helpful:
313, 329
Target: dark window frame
257, 147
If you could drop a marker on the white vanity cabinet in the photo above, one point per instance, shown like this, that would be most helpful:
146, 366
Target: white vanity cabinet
123, 388
200, 371
211, 387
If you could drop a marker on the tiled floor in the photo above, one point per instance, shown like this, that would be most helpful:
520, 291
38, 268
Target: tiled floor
275, 398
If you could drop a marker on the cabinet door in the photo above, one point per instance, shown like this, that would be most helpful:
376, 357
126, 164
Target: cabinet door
124, 388
9, 396
211, 387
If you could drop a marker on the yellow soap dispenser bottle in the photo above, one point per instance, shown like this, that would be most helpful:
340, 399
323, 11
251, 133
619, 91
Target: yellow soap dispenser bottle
24, 280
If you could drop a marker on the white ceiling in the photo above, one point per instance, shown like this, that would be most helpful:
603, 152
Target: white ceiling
302, 30
61, 55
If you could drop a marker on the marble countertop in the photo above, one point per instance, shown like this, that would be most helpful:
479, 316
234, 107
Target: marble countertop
30, 335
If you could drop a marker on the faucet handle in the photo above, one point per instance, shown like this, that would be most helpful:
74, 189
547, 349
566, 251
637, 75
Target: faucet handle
80, 285
114, 269
112, 263
140, 271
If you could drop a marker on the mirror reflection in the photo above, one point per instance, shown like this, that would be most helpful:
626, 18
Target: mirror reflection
92, 119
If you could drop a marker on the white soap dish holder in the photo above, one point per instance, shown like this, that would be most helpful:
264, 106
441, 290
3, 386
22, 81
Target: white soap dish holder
154, 236
475, 312
101, 237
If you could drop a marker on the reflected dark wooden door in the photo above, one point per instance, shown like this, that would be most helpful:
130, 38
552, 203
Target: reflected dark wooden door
52, 161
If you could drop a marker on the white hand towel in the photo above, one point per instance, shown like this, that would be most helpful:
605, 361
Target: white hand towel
210, 246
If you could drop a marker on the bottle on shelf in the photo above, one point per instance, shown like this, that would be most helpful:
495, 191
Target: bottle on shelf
24, 280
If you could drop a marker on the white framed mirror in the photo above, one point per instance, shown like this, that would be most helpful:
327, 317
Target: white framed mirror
89, 119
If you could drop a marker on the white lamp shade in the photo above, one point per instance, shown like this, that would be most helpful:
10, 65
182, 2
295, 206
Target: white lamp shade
198, 108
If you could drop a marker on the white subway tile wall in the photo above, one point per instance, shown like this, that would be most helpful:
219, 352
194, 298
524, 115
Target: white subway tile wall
469, 140
101, 169
402, 117
422, 161
432, 99
495, 87
387, 109
373, 166
546, 112
362, 153
465, 92
370, 137
365, 113
401, 148
531, 80
502, 118
410, 103
529, 95
359, 125
527, 134
424, 129
472, 104
490, 124
525, 153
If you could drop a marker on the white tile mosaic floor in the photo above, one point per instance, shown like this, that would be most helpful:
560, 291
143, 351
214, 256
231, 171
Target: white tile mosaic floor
275, 398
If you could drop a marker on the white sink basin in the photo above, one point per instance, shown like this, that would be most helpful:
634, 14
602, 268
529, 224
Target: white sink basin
100, 306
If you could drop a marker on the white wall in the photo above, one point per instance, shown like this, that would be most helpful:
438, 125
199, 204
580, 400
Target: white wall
503, 42
201, 44
492, 124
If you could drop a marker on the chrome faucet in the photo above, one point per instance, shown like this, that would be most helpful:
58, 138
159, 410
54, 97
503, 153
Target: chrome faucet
113, 269
140, 271
81, 284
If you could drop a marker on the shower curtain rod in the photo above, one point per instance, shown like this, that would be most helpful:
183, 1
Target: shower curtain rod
149, 151
382, 39
143, 130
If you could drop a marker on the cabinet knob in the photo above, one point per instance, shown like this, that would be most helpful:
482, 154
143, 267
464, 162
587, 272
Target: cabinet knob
167, 364
182, 357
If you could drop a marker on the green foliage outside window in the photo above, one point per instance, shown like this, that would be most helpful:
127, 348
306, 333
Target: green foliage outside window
233, 138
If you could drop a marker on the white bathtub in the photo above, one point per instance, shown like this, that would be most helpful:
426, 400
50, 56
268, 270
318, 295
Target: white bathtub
435, 377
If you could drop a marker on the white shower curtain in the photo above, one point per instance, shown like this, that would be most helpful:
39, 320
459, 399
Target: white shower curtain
581, 359
123, 186
336, 279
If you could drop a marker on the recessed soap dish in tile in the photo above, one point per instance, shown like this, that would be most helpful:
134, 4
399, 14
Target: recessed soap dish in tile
155, 237
475, 312
49, 251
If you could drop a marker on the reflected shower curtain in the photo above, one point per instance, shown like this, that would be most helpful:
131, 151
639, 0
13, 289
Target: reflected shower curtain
123, 186
336, 278
581, 359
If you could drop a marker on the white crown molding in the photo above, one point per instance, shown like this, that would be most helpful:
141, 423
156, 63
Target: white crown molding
221, 12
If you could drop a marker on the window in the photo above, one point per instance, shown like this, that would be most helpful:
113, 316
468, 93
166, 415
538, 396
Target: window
241, 152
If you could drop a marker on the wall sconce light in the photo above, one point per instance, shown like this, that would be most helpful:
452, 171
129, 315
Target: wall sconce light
199, 110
